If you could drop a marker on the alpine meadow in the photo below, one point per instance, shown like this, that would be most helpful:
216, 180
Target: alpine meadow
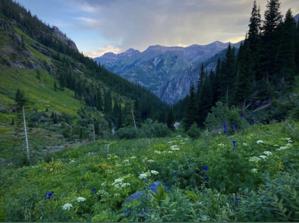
153, 126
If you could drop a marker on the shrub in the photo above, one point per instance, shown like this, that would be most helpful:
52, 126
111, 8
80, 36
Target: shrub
127, 133
223, 118
154, 129
193, 132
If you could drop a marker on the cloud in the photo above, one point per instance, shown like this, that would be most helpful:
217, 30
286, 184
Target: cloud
88, 22
102, 51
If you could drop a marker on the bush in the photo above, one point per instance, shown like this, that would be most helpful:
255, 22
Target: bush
223, 118
154, 129
193, 132
127, 133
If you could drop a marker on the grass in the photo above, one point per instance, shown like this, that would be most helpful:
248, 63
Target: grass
76, 171
39, 92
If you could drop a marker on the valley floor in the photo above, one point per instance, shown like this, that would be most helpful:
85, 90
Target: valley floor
250, 176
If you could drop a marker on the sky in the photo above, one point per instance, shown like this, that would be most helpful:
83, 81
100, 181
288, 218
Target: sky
100, 26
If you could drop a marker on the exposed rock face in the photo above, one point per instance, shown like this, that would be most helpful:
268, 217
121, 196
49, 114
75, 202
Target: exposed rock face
63, 38
297, 18
166, 71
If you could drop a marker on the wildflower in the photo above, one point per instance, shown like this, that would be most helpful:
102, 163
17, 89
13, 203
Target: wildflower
136, 196
234, 127
254, 170
150, 161
154, 172
234, 142
267, 153
133, 157
94, 190
205, 168
263, 157
125, 185
117, 181
221, 145
282, 148
259, 141
170, 152
154, 186
81, 199
245, 144
157, 152
67, 206
49, 195
224, 128
254, 159
143, 176
174, 148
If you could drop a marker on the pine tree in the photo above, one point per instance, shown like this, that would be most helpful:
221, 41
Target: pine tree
270, 43
273, 17
245, 75
254, 26
190, 116
20, 99
170, 119
287, 50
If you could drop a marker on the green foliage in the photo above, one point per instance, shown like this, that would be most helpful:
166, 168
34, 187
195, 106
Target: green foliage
149, 129
221, 116
194, 132
127, 133
201, 180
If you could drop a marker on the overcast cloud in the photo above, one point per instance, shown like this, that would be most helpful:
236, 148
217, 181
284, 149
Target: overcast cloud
99, 26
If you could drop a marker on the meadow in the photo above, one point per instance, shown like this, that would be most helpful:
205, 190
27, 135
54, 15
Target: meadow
249, 176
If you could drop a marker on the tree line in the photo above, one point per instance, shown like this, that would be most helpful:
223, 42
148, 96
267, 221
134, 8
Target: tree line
264, 67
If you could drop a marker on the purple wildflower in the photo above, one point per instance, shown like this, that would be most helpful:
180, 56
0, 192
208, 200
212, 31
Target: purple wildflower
49, 195
205, 168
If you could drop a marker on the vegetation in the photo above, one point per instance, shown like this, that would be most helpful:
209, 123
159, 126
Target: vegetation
251, 78
99, 148
249, 176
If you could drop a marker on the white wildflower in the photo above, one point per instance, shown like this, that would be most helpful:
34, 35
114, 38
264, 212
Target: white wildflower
259, 141
282, 148
81, 199
117, 181
263, 157
267, 153
143, 176
254, 170
133, 157
157, 152
67, 206
174, 148
170, 152
221, 145
254, 159
245, 144
150, 161
154, 172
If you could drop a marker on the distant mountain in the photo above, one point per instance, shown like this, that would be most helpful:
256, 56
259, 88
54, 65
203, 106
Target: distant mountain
166, 71
297, 17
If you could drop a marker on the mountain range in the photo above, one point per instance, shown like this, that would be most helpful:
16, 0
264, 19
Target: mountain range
168, 72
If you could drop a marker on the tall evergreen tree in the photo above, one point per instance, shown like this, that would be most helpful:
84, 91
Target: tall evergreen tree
254, 26
287, 50
273, 17
190, 116
170, 119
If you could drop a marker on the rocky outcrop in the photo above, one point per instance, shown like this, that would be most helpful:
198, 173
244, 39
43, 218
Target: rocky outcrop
63, 38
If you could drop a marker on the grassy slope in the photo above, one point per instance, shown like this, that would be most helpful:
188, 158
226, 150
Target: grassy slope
74, 172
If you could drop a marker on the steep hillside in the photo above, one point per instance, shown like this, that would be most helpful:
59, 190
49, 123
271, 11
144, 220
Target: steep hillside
68, 97
166, 71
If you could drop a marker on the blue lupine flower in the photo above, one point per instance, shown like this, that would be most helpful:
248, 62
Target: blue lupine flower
154, 186
136, 196
49, 195
94, 190
224, 127
205, 168
206, 178
234, 127
234, 142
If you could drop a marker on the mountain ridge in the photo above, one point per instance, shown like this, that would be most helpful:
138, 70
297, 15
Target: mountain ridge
167, 71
